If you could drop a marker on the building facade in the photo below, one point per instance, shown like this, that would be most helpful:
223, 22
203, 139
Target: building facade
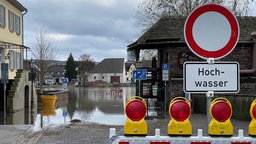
55, 74
110, 70
11, 35
19, 93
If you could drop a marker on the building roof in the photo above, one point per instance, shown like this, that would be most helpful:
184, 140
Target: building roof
144, 63
171, 30
17, 4
109, 65
57, 70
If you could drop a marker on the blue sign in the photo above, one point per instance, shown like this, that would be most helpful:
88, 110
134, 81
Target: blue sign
65, 113
165, 66
65, 80
140, 74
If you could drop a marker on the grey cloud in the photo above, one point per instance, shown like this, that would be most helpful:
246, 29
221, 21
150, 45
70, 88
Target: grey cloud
96, 30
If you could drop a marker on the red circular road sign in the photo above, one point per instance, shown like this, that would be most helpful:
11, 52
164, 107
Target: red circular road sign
211, 31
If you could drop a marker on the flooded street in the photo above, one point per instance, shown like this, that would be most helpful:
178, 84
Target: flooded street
102, 105
97, 105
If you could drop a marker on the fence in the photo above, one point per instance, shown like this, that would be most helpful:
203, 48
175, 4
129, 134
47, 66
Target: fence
116, 138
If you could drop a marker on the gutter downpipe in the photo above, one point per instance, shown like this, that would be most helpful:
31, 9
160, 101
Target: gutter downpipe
253, 69
23, 41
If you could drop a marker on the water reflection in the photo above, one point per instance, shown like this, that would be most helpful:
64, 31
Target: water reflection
99, 105
23, 116
102, 105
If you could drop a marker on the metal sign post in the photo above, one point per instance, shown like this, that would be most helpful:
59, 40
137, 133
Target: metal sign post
4, 77
209, 95
165, 77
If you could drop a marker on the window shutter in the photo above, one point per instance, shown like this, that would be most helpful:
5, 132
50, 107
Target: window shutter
11, 59
2, 16
11, 20
17, 24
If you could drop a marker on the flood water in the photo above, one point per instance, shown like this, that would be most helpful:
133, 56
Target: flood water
97, 105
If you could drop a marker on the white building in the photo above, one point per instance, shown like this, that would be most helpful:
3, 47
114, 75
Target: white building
110, 70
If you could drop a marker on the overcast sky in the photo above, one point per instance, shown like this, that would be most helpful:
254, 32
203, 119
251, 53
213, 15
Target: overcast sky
101, 28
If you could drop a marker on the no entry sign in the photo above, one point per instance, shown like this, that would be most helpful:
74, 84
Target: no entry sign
211, 31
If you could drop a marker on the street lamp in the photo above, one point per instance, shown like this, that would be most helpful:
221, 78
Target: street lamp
32, 78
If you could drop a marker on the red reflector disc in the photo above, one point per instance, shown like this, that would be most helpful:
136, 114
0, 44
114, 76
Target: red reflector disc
254, 111
135, 110
221, 111
180, 110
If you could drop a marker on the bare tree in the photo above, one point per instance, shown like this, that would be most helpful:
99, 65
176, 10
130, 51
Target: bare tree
149, 11
85, 57
86, 63
42, 52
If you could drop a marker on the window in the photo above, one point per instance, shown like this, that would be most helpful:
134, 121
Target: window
17, 25
14, 60
102, 77
14, 22
94, 77
2, 16
11, 21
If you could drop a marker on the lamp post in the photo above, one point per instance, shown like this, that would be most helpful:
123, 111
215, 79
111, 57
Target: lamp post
32, 78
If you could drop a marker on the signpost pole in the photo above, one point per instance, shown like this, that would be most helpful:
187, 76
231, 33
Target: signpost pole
4, 103
209, 96
165, 78
139, 90
4, 76
165, 96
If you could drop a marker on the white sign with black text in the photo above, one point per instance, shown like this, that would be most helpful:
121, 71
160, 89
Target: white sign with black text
220, 77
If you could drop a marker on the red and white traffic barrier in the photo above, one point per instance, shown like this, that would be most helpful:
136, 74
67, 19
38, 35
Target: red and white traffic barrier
199, 139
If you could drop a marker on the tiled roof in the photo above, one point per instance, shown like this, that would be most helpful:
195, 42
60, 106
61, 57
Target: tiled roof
57, 70
171, 30
109, 65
